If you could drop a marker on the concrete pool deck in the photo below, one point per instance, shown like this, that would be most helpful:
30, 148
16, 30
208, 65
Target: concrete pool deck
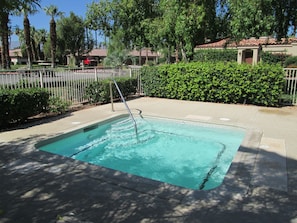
261, 185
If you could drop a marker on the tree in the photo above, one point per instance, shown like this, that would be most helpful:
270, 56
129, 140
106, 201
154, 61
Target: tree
26, 8
37, 38
222, 20
181, 26
158, 24
117, 52
71, 36
210, 19
7, 8
33, 43
99, 18
40, 39
20, 33
53, 12
285, 12
4, 32
293, 15
251, 18
129, 18
188, 28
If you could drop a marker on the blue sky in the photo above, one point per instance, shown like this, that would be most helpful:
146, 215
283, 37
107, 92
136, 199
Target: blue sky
41, 21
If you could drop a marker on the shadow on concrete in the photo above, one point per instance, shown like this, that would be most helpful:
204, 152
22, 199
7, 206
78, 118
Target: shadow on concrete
40, 187
37, 120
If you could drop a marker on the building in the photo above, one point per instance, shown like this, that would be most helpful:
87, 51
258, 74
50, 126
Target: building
16, 57
248, 50
144, 55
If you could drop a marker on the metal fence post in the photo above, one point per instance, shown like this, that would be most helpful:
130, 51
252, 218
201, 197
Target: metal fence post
111, 95
95, 74
41, 77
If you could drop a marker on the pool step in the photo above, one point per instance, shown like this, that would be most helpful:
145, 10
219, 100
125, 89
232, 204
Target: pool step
123, 134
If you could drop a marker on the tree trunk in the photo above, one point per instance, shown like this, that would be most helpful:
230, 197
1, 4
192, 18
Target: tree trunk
139, 58
146, 55
28, 41
5, 58
168, 55
96, 39
38, 50
2, 52
34, 50
53, 37
176, 53
183, 52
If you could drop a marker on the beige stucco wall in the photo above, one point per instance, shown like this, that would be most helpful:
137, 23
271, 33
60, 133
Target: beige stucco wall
241, 54
290, 49
215, 48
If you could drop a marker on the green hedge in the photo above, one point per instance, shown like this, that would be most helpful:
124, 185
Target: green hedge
99, 91
19, 104
215, 82
215, 55
270, 58
291, 62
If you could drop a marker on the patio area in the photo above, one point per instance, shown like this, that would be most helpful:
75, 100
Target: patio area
261, 185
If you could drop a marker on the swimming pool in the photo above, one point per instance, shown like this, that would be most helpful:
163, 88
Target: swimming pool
182, 153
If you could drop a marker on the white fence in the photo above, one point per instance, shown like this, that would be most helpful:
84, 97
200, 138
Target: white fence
69, 84
291, 84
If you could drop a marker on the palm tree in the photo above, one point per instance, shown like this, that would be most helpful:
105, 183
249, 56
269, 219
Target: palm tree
40, 39
20, 33
4, 34
53, 12
26, 9
8, 7
33, 43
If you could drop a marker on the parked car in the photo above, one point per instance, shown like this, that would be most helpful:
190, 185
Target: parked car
89, 61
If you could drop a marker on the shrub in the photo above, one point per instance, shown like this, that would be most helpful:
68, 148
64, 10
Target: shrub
19, 104
215, 82
268, 57
58, 105
291, 62
99, 91
215, 55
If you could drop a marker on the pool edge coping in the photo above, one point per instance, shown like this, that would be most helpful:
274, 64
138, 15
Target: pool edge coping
237, 182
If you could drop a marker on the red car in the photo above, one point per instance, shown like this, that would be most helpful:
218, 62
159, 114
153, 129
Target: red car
89, 61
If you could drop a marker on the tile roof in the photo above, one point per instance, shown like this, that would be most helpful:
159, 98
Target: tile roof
248, 42
103, 53
15, 53
98, 52
149, 53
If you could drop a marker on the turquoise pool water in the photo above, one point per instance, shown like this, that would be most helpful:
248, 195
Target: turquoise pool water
186, 154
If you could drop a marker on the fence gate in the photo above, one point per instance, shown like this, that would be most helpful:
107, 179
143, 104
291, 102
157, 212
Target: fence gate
291, 84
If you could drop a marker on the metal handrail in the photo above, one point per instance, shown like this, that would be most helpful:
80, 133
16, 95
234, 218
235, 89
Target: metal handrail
127, 107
